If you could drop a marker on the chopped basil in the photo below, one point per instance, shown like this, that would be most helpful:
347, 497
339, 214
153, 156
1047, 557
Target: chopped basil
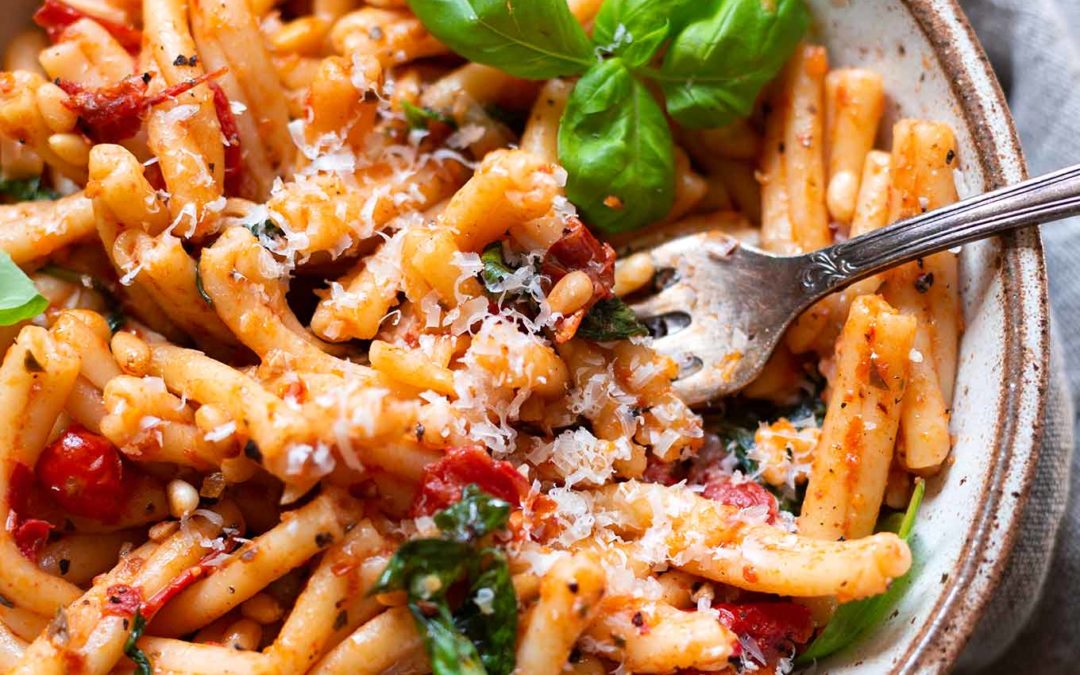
477, 634
131, 649
495, 268
420, 117
114, 313
267, 229
26, 190
199, 285
610, 319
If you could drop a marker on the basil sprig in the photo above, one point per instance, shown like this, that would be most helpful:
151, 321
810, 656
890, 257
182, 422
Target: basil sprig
131, 648
19, 298
852, 619
477, 635
614, 140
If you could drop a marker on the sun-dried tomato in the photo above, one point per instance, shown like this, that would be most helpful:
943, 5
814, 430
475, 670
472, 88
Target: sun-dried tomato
55, 16
234, 156
443, 481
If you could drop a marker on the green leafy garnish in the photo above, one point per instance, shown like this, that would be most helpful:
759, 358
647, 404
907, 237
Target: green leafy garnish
478, 635
19, 298
199, 285
715, 67
267, 229
495, 269
114, 312
131, 649
534, 39
610, 319
852, 619
26, 190
476, 515
617, 150
614, 139
418, 117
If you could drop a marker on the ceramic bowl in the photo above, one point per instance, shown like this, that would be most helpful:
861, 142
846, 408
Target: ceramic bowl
935, 68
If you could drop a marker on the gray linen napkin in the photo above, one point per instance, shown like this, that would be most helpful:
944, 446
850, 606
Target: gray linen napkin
1032, 625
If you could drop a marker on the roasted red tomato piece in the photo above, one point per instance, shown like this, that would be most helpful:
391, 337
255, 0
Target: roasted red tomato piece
774, 627
84, 474
744, 495
443, 481
55, 17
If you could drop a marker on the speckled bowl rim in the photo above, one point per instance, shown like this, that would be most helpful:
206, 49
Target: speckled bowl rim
1020, 408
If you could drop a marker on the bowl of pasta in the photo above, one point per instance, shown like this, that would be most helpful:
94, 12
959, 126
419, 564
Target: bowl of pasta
319, 354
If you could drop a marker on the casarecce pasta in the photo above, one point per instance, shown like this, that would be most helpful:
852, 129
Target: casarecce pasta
316, 358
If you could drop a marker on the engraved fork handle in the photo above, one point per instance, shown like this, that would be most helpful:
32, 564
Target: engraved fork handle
1052, 196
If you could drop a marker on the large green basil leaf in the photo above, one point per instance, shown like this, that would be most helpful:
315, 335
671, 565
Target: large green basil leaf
535, 39
19, 298
616, 147
489, 614
852, 619
474, 516
715, 67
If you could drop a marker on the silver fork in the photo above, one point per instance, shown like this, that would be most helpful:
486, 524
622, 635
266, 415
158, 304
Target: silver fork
727, 304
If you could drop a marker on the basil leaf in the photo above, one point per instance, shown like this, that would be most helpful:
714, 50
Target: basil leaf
632, 29
715, 67
852, 619
19, 298
489, 615
616, 147
416, 563
26, 190
131, 649
418, 117
534, 39
610, 319
267, 229
495, 268
450, 652
199, 285
476, 515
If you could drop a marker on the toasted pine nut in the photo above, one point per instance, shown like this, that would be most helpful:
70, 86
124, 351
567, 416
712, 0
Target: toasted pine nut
72, 148
633, 273
244, 634
183, 498
305, 35
571, 293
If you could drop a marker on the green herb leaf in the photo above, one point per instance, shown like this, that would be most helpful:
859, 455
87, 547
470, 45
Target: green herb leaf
19, 299
489, 615
476, 515
267, 229
418, 117
480, 635
495, 268
535, 39
26, 190
632, 29
715, 67
131, 649
852, 619
199, 285
450, 652
610, 319
616, 147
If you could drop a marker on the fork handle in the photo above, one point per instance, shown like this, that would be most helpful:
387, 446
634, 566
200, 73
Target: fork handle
1052, 196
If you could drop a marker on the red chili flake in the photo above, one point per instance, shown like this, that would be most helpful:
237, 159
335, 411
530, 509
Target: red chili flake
443, 481
773, 626
122, 600
234, 156
55, 16
30, 536
116, 112
744, 495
